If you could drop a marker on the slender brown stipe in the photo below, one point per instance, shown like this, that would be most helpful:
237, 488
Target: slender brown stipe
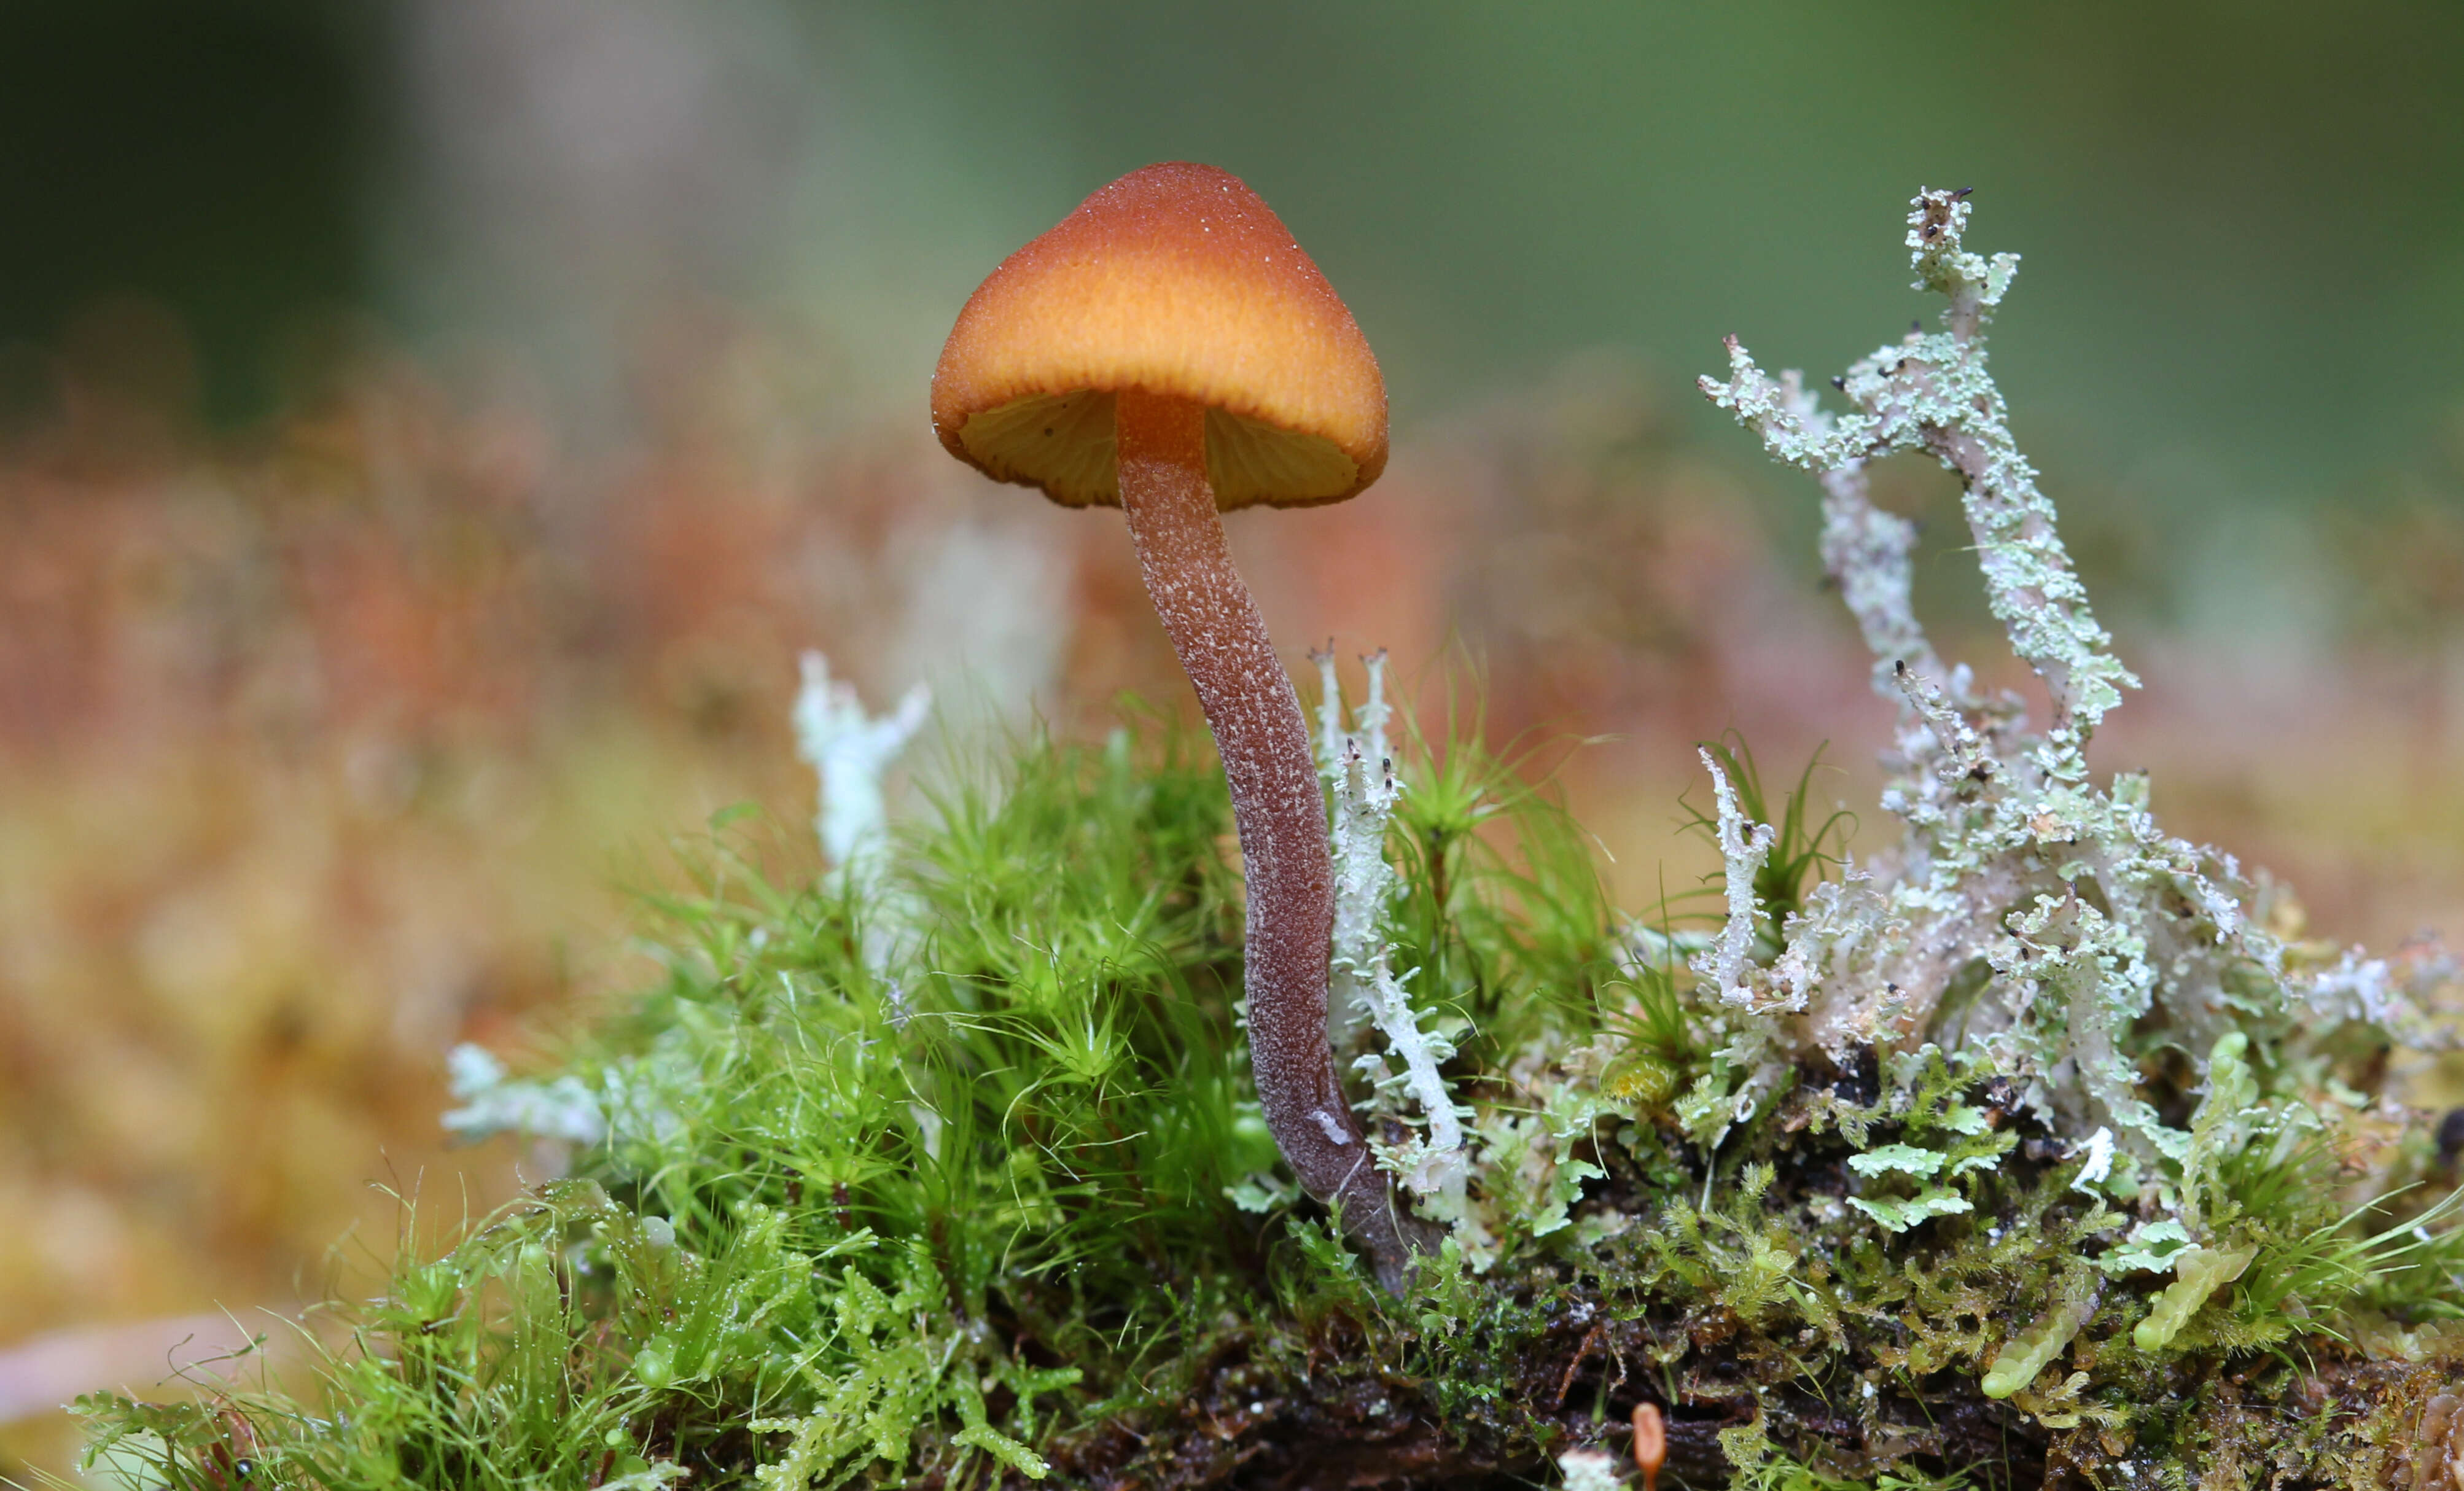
1276, 804
1168, 349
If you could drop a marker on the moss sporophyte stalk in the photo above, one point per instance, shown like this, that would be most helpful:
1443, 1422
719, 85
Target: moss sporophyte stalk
2038, 1148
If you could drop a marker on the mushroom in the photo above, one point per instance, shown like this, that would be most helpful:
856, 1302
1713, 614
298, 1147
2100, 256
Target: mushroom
1169, 350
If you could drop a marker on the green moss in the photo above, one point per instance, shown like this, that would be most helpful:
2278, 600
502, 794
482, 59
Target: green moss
972, 1220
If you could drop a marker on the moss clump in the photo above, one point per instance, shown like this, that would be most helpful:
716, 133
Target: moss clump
982, 1217
2039, 1150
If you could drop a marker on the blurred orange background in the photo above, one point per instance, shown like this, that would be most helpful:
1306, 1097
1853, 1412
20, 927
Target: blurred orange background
334, 728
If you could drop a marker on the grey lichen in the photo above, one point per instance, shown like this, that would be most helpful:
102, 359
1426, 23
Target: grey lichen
2029, 916
850, 751
1743, 846
1932, 392
493, 1102
1359, 768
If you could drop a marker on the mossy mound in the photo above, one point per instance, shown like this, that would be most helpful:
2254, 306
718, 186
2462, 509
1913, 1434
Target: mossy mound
2040, 1149
977, 1223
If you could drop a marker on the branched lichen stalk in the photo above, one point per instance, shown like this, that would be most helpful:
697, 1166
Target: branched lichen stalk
1865, 551
850, 750
1932, 392
2029, 919
1361, 771
1743, 846
1964, 753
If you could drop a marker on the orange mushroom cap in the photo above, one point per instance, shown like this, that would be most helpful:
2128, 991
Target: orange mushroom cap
1177, 279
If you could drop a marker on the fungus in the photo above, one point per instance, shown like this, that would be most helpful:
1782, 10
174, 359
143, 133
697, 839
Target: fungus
1169, 350
1650, 1443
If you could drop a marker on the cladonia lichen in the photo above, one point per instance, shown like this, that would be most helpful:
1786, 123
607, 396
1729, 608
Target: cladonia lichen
1359, 768
493, 1102
2083, 941
850, 750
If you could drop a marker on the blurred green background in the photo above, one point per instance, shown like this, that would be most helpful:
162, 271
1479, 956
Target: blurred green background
430, 429
2243, 222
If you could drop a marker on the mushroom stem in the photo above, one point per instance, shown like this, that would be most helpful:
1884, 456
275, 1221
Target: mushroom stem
1276, 803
